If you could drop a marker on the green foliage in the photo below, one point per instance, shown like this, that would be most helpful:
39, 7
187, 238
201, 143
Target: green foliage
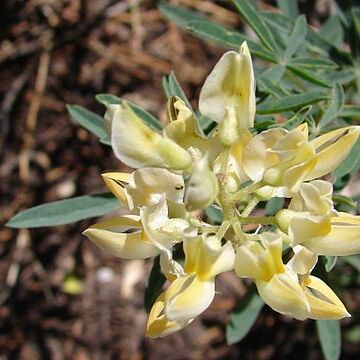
90, 121
244, 317
65, 211
108, 99
330, 338
154, 286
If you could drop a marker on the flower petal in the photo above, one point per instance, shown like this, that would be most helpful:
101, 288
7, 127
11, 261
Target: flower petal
332, 148
116, 182
257, 157
231, 84
136, 145
122, 237
147, 185
202, 187
158, 324
342, 239
324, 304
284, 294
187, 297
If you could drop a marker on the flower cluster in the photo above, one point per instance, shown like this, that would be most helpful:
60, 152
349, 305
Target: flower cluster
181, 171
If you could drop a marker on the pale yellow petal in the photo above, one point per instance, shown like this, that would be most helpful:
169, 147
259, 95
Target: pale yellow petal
343, 239
284, 294
202, 187
122, 237
116, 182
294, 176
147, 185
324, 304
303, 229
332, 148
158, 325
257, 157
191, 298
136, 145
231, 84
303, 260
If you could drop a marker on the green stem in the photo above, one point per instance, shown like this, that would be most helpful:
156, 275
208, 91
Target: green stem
246, 191
265, 220
227, 204
250, 207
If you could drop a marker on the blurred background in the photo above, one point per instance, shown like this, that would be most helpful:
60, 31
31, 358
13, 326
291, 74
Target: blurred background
60, 297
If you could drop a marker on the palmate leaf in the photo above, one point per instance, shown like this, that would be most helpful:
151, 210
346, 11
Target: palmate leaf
314, 63
329, 333
149, 119
228, 38
172, 87
180, 15
244, 317
291, 102
334, 108
309, 75
90, 121
289, 8
296, 38
65, 211
254, 19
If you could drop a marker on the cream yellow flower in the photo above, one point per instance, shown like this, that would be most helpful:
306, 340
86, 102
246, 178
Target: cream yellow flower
228, 94
202, 187
288, 289
139, 237
145, 187
137, 145
190, 294
282, 158
312, 222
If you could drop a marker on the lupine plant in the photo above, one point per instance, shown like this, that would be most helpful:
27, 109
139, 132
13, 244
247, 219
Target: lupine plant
231, 186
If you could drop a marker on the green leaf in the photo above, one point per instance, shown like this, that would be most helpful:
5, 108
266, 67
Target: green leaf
227, 38
314, 63
334, 108
296, 38
108, 99
329, 333
309, 75
332, 30
298, 118
350, 111
264, 122
253, 17
90, 121
344, 200
65, 211
206, 124
244, 317
353, 260
214, 214
271, 87
343, 76
351, 162
274, 205
154, 286
149, 119
173, 88
291, 102
273, 73
330, 262
180, 15
289, 8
